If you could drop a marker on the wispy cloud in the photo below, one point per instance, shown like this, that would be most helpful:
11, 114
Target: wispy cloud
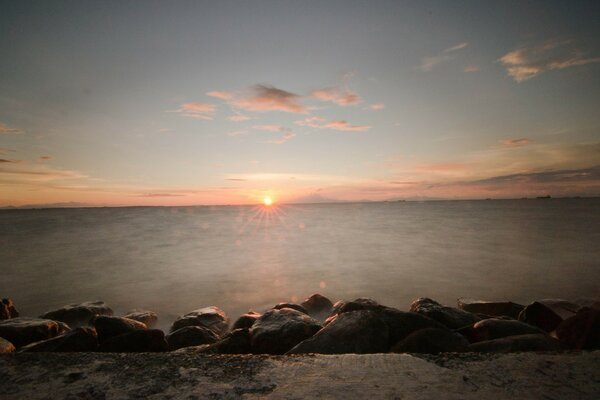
7, 130
269, 98
528, 62
4, 150
269, 128
6, 161
239, 118
159, 195
45, 158
237, 133
339, 125
287, 135
377, 106
340, 96
427, 63
221, 94
515, 142
471, 68
204, 111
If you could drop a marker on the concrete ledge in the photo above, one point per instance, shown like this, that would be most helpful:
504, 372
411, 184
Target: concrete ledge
377, 376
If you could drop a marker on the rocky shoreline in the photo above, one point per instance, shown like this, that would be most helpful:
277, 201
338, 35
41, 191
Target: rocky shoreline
315, 326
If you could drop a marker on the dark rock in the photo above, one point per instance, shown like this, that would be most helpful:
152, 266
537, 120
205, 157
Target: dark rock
147, 318
531, 342
190, 336
362, 303
137, 341
319, 307
21, 331
453, 318
6, 346
108, 326
62, 327
588, 302
79, 339
212, 318
293, 306
359, 332
246, 321
431, 341
79, 314
547, 314
496, 328
235, 342
491, 308
581, 331
7, 309
277, 331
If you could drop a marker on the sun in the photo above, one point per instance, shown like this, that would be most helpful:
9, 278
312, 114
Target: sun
267, 201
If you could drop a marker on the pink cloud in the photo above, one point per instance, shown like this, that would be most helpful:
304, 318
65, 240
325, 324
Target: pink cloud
339, 96
5, 161
6, 130
339, 125
220, 94
238, 118
269, 128
202, 111
377, 106
471, 68
427, 63
45, 158
441, 167
270, 98
287, 135
515, 142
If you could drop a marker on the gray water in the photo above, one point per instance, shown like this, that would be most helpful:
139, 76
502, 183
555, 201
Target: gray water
176, 259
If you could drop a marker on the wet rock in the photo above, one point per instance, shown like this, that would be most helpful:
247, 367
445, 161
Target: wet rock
212, 318
7, 309
531, 342
293, 306
362, 303
491, 308
581, 331
108, 327
277, 331
190, 336
496, 328
79, 314
432, 341
547, 314
6, 346
21, 331
359, 332
246, 321
147, 318
235, 342
453, 318
319, 307
137, 341
79, 339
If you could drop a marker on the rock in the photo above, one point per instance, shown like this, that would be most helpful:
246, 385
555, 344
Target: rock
137, 341
79, 339
79, 314
212, 318
589, 302
6, 346
431, 341
147, 318
496, 328
547, 314
319, 307
491, 308
359, 332
246, 321
453, 318
7, 309
362, 303
190, 336
277, 331
108, 326
581, 331
21, 331
531, 342
235, 342
293, 306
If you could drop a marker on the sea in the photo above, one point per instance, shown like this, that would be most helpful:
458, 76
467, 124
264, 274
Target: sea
173, 260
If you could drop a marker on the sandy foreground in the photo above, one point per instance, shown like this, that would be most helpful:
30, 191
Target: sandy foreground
377, 376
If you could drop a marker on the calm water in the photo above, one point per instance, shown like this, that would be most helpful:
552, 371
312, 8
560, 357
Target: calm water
175, 259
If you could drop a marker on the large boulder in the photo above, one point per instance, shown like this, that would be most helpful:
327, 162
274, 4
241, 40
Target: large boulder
359, 332
212, 318
191, 336
431, 341
246, 321
293, 306
79, 314
319, 307
451, 317
146, 317
491, 308
496, 328
79, 339
7, 309
137, 341
235, 342
108, 326
581, 331
277, 331
21, 331
547, 314
6, 346
531, 342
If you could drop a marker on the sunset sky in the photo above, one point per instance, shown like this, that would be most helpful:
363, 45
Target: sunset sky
223, 102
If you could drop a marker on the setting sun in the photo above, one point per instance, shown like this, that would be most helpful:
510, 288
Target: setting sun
267, 201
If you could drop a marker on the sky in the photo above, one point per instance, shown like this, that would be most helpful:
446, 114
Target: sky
192, 102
